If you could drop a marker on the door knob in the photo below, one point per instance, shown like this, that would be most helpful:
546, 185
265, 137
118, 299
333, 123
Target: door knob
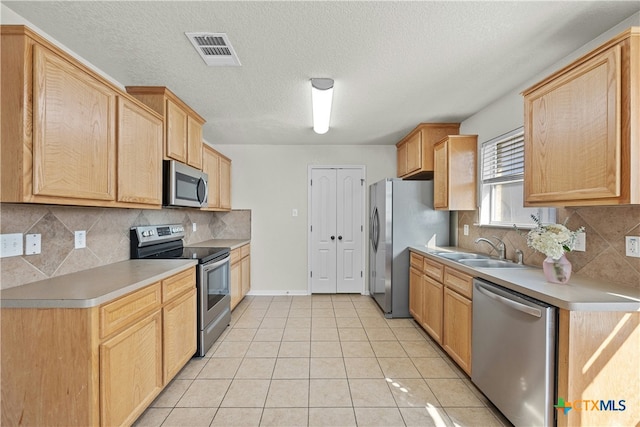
333, 237
339, 237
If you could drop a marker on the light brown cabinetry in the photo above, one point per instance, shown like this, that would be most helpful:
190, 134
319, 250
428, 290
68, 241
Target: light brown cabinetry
440, 301
183, 126
240, 272
457, 317
114, 359
582, 129
61, 142
218, 168
139, 164
415, 151
454, 180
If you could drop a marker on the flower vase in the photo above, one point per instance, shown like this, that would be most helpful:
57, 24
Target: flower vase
557, 270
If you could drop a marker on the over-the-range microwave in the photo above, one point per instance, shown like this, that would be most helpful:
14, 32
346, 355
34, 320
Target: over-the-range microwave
184, 185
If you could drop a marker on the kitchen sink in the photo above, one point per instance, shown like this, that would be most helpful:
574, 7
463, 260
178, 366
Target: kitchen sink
456, 256
490, 263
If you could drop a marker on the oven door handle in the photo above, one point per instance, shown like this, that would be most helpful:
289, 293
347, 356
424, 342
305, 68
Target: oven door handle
213, 265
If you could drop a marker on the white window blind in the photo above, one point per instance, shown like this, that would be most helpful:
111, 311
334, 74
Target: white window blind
503, 158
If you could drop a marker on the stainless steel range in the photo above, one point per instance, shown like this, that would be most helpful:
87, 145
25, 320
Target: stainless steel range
212, 278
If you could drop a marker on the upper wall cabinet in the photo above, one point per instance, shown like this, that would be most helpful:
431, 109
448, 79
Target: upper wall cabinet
454, 180
582, 130
415, 151
183, 126
218, 168
60, 142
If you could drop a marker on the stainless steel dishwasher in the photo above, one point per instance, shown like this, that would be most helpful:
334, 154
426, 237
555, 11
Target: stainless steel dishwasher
514, 353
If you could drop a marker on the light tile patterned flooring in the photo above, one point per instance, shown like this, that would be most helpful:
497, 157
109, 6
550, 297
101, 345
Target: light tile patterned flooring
321, 360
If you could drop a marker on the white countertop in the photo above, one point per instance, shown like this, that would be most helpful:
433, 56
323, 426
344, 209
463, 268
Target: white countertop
90, 288
579, 294
216, 243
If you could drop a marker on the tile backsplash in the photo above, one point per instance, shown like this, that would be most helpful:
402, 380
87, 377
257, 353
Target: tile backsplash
605, 228
107, 235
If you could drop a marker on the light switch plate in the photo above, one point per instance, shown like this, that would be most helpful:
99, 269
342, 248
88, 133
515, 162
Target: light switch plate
465, 229
34, 244
81, 239
11, 245
581, 242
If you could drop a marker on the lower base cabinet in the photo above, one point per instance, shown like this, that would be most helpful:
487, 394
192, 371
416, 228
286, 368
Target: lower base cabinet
240, 272
457, 328
97, 366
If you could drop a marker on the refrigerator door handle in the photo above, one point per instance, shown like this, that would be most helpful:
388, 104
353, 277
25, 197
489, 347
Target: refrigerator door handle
376, 229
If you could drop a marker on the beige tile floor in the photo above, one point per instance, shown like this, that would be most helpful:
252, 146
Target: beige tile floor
321, 360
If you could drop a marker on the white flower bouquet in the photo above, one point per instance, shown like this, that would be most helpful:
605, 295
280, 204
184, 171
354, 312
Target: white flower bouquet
553, 240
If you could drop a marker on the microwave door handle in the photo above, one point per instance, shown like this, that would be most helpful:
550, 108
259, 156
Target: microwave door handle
202, 190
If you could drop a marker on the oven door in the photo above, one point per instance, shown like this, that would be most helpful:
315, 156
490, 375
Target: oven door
213, 289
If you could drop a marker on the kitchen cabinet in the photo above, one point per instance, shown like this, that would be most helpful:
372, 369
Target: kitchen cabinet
139, 154
114, 358
218, 168
240, 272
440, 298
457, 315
454, 179
415, 151
582, 129
61, 142
183, 126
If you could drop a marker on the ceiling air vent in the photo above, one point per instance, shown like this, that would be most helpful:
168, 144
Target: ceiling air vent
214, 48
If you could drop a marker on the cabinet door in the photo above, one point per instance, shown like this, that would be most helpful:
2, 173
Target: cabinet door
131, 371
139, 155
194, 143
415, 294
457, 328
176, 132
414, 152
211, 166
433, 304
572, 134
74, 119
440, 176
245, 272
179, 333
225, 183
235, 283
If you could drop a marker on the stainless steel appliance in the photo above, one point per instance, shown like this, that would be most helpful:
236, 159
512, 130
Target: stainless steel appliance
514, 353
212, 278
184, 185
401, 214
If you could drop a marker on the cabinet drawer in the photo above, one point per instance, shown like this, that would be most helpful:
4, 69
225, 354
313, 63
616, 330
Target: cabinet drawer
433, 269
236, 254
459, 282
175, 285
119, 313
416, 261
245, 251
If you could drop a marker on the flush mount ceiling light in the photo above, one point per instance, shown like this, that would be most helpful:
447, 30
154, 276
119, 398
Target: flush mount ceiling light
321, 98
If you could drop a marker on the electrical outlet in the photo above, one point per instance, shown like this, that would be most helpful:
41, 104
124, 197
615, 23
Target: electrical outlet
294, 212
466, 229
81, 239
11, 245
632, 245
581, 242
194, 226
34, 246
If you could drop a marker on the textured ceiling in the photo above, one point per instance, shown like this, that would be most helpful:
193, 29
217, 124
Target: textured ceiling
395, 64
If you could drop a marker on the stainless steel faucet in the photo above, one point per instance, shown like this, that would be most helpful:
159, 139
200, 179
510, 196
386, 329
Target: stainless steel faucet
500, 248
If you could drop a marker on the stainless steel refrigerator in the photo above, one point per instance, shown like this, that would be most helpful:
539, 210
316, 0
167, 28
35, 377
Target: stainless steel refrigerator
401, 214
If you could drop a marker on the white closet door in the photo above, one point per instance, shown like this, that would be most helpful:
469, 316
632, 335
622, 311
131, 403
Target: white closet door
323, 231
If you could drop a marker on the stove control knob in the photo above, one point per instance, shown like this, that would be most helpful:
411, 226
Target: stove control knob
152, 232
145, 233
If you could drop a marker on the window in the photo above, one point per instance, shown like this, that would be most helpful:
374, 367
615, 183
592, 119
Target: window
501, 192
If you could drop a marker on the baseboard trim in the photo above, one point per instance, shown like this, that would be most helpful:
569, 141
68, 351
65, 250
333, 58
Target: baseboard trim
277, 293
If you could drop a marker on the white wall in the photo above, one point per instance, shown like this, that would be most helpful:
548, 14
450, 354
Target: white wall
271, 180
